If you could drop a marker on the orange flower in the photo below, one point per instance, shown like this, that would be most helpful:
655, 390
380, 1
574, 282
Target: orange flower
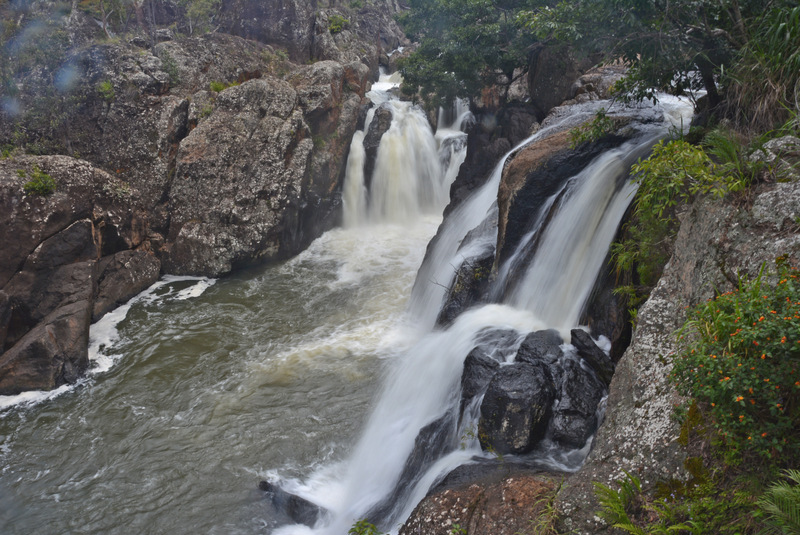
739, 398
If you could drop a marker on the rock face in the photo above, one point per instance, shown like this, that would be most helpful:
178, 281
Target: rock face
716, 240
205, 154
69, 257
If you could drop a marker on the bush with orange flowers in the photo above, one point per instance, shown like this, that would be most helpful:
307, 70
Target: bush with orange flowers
740, 359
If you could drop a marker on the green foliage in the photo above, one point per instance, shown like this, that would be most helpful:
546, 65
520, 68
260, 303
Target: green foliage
200, 14
337, 24
465, 45
732, 159
170, 67
356, 4
764, 82
106, 90
40, 183
593, 130
781, 504
458, 530
363, 527
673, 174
708, 507
217, 86
740, 356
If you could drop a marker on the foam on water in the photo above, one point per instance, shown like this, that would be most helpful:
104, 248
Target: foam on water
104, 334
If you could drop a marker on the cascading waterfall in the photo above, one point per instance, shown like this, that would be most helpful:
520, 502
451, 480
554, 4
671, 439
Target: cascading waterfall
423, 385
413, 167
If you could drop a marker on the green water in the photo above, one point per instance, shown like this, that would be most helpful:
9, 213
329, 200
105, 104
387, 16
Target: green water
269, 373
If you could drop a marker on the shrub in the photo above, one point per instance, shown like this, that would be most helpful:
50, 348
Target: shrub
740, 356
106, 90
337, 23
216, 86
673, 174
40, 184
781, 503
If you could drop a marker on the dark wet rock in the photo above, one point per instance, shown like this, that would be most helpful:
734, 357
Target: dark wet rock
541, 347
536, 173
53, 244
381, 122
575, 415
515, 408
596, 358
552, 72
479, 368
432, 442
296, 508
607, 312
121, 277
469, 286
53, 353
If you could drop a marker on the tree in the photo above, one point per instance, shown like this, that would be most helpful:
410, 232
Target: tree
670, 45
465, 45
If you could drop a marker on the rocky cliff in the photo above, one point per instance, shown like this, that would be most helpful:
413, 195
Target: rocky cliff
195, 155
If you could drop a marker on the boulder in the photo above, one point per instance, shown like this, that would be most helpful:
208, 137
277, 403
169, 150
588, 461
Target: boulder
479, 368
298, 509
51, 272
516, 408
381, 122
596, 358
574, 418
541, 347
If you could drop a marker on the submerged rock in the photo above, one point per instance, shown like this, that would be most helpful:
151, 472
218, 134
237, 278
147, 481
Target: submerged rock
296, 508
432, 442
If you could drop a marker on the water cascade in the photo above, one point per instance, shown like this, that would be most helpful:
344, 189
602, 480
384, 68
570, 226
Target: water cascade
413, 168
387, 475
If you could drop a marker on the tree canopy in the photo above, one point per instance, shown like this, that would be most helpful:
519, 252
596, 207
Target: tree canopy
668, 45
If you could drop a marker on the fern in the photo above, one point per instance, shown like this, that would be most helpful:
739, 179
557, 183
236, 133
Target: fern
781, 503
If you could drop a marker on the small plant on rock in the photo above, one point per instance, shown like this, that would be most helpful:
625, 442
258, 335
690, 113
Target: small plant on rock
106, 90
363, 527
337, 24
40, 184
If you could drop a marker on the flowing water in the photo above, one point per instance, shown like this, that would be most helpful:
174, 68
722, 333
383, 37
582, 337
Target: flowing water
311, 373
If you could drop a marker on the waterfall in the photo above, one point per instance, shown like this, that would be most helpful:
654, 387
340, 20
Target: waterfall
572, 231
413, 167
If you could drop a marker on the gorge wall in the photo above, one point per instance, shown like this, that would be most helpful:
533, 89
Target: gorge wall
181, 155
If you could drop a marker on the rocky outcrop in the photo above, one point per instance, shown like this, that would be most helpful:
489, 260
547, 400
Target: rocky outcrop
717, 240
303, 27
69, 257
494, 504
